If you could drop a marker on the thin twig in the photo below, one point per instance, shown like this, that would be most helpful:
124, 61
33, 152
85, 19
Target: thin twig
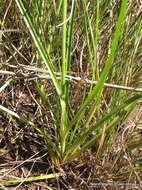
11, 30
68, 78
5, 85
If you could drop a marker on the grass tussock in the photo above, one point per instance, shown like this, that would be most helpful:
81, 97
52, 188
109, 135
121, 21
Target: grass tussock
70, 94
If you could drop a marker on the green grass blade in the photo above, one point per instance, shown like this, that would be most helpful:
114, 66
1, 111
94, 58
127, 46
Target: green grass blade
39, 45
96, 39
46, 100
139, 168
79, 139
96, 92
70, 35
76, 153
63, 125
64, 34
48, 140
86, 32
29, 179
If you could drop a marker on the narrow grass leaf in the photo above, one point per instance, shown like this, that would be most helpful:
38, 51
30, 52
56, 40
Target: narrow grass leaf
63, 125
30, 179
46, 100
79, 139
96, 92
48, 140
39, 45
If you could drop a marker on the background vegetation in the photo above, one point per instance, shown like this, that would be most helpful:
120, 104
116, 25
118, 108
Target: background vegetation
52, 108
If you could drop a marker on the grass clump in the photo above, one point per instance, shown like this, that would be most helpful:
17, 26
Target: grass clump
98, 41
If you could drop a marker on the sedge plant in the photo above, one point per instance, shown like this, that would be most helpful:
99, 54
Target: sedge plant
71, 134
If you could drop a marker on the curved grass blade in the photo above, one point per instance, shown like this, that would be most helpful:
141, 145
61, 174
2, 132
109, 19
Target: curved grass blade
48, 140
79, 139
96, 92
39, 46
